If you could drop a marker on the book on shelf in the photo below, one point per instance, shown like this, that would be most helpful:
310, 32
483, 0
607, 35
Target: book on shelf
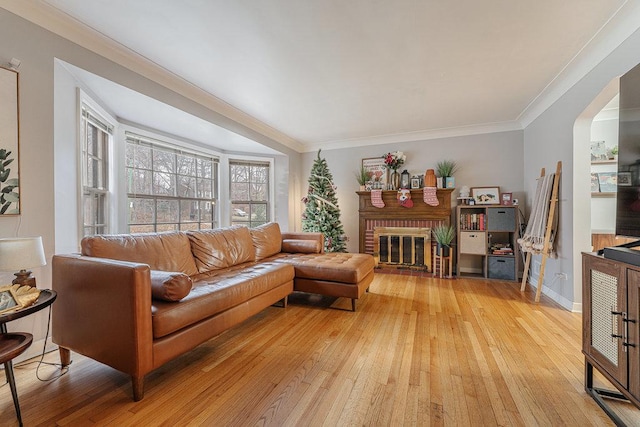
501, 249
472, 221
502, 252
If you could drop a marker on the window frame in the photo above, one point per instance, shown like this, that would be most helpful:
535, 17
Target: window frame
89, 112
270, 210
175, 148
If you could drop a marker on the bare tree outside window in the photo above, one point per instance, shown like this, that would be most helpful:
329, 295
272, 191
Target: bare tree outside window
249, 192
169, 188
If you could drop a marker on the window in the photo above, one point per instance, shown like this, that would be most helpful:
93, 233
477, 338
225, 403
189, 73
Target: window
249, 192
169, 188
95, 139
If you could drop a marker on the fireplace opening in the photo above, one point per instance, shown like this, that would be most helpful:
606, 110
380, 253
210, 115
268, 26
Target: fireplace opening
403, 247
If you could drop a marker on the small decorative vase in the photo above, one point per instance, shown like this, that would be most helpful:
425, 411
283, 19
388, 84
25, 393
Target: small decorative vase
449, 182
395, 180
430, 178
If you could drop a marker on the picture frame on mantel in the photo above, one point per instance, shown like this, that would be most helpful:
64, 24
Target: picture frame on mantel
379, 172
9, 143
486, 195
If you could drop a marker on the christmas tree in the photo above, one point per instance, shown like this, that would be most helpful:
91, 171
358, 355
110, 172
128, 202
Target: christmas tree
322, 213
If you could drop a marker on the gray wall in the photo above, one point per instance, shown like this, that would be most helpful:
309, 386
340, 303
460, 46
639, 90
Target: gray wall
483, 160
550, 138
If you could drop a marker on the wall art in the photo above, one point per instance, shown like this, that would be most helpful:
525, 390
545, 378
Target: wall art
9, 143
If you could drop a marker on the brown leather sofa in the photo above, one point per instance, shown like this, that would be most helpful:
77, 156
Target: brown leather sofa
134, 302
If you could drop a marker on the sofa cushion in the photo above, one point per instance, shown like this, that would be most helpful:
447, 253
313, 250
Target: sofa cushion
301, 246
168, 251
221, 248
267, 240
218, 292
170, 286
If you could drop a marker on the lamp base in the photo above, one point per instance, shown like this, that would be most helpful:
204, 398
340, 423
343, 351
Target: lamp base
24, 278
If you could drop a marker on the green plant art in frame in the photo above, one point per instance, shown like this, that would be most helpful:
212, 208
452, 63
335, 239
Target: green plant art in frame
9, 141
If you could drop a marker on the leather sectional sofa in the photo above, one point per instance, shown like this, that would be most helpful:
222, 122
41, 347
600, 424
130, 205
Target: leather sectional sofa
134, 302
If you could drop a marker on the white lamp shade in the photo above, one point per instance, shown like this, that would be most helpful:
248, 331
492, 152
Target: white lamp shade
21, 253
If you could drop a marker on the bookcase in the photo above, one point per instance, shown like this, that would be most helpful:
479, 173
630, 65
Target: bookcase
487, 241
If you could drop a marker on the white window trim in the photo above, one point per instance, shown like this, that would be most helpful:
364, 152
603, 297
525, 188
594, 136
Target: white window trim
187, 145
272, 188
111, 215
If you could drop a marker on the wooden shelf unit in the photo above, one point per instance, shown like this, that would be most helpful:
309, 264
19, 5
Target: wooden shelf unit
479, 228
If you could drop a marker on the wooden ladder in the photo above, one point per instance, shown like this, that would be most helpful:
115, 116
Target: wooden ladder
547, 235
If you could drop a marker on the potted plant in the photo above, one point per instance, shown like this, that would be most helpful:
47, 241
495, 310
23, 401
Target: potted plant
445, 170
443, 235
363, 176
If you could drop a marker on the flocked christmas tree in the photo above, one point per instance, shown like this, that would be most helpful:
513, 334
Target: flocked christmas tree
322, 213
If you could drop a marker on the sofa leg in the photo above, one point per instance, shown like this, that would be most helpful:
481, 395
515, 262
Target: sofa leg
353, 304
138, 388
285, 301
65, 356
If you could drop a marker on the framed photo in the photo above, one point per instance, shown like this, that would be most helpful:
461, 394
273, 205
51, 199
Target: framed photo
9, 142
8, 300
415, 183
608, 182
506, 199
486, 195
379, 172
624, 179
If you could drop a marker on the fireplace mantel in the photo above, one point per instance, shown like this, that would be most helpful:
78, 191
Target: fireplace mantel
393, 211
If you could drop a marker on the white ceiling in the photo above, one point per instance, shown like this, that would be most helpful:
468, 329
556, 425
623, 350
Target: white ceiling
134, 108
330, 73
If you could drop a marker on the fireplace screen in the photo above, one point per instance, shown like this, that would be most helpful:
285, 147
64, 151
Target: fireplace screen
403, 246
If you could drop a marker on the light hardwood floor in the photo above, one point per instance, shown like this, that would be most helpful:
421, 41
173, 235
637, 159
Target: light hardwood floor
418, 351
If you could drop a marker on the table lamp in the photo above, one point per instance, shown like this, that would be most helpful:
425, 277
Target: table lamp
22, 253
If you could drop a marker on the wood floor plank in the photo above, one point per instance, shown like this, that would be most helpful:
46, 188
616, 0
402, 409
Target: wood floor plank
418, 351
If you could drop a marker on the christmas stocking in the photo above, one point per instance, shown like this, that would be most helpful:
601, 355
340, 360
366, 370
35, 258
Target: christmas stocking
429, 194
376, 198
404, 198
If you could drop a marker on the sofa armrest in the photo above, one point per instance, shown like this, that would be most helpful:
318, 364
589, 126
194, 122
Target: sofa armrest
316, 237
103, 311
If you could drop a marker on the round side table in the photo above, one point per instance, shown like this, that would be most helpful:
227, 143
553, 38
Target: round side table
15, 343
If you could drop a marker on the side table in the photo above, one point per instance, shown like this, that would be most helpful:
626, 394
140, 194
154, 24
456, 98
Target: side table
15, 343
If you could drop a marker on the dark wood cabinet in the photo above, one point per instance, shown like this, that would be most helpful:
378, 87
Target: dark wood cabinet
610, 332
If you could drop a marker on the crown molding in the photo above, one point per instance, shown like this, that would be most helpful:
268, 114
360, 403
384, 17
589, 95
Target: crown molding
614, 32
416, 136
44, 15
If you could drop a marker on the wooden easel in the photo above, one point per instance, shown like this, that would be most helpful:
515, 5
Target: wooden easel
547, 235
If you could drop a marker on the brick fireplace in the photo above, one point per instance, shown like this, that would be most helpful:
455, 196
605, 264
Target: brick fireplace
394, 216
